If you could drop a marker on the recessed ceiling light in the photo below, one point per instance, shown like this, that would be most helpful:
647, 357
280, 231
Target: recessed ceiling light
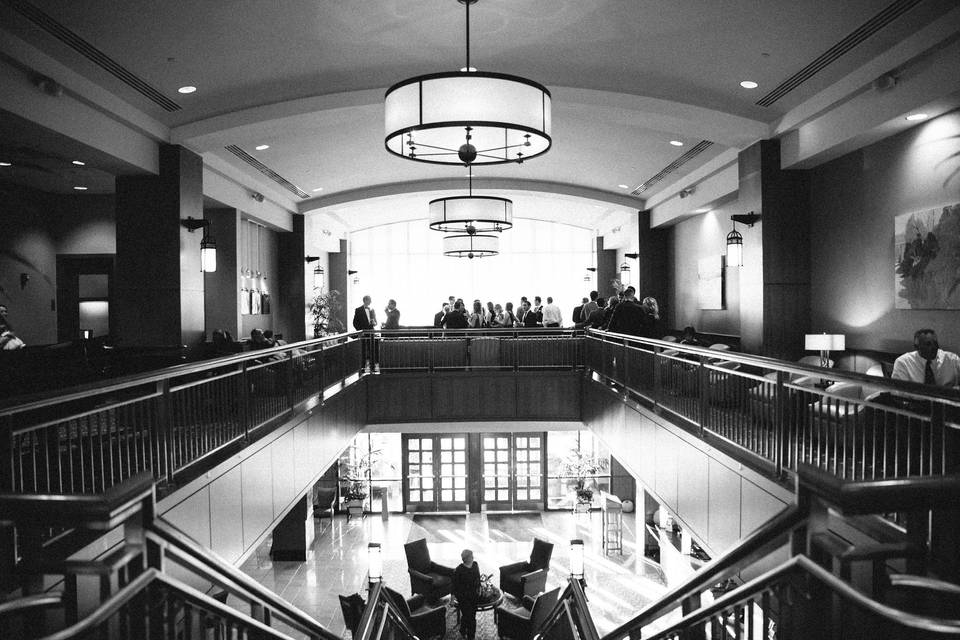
468, 69
262, 147
187, 89
79, 163
676, 143
6, 164
318, 189
80, 188
624, 186
913, 117
749, 84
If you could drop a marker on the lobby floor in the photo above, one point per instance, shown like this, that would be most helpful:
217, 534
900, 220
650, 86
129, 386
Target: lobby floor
618, 585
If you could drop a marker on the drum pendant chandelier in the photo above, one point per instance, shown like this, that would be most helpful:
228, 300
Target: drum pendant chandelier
471, 245
470, 213
467, 117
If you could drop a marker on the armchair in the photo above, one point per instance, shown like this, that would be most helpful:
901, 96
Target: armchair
427, 621
528, 577
426, 577
520, 623
352, 607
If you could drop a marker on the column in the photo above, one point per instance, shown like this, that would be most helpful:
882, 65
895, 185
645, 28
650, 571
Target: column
292, 307
159, 282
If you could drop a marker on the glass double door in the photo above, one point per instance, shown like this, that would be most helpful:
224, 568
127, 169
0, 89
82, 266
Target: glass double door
435, 472
506, 470
512, 470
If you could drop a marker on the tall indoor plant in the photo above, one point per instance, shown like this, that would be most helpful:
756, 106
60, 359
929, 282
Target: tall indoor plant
580, 465
325, 307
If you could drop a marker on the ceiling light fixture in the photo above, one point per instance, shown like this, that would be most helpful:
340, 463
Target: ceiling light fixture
79, 163
187, 89
624, 186
262, 147
749, 84
914, 117
6, 164
676, 143
467, 117
471, 214
471, 245
79, 188
318, 189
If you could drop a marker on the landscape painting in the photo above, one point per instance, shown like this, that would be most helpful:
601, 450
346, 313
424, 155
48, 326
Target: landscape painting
927, 255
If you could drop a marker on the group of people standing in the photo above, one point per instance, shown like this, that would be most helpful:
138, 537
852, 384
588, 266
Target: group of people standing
454, 315
621, 313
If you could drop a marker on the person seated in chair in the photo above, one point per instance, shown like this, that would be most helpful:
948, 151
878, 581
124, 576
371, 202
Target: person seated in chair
466, 588
929, 364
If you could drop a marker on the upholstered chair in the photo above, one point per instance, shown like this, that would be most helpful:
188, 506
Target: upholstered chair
427, 577
517, 621
527, 577
426, 620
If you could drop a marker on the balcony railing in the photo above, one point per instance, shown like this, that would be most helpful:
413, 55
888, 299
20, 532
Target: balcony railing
87, 440
781, 415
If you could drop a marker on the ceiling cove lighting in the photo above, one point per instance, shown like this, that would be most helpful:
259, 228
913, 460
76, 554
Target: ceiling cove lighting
471, 245
467, 117
471, 214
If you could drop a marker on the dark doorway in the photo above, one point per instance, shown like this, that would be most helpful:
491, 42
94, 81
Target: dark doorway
84, 296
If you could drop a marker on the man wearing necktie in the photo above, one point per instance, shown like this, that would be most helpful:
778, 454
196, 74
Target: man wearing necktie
929, 364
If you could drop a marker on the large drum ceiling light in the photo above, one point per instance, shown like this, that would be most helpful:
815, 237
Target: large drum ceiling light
470, 213
471, 245
467, 117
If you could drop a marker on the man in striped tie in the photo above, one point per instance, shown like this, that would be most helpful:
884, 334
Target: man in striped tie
929, 364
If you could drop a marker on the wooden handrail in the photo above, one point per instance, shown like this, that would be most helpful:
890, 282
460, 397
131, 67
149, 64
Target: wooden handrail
80, 392
835, 585
88, 511
29, 603
753, 547
211, 567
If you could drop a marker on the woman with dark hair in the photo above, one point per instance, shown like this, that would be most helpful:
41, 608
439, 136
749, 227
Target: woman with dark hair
393, 316
475, 321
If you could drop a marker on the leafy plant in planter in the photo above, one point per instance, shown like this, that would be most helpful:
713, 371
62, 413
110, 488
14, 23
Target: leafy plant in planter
325, 307
580, 465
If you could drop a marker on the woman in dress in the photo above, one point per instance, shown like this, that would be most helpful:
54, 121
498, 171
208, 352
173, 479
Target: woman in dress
475, 321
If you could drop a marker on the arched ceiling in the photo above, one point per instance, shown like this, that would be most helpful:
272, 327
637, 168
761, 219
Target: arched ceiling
307, 78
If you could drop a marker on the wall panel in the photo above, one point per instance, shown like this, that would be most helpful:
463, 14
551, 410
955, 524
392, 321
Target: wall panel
723, 506
284, 470
226, 512
667, 471
693, 488
257, 494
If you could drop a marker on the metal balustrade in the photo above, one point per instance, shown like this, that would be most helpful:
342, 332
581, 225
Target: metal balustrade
781, 415
90, 439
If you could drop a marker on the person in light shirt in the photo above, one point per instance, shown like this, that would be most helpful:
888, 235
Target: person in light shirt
551, 314
929, 364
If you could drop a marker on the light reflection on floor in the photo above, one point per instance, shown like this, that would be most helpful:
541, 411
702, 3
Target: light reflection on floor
618, 585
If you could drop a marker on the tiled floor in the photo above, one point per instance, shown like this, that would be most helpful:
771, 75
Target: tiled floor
618, 584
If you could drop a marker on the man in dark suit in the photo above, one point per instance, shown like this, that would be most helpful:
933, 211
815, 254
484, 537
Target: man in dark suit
365, 319
527, 316
628, 317
578, 311
438, 317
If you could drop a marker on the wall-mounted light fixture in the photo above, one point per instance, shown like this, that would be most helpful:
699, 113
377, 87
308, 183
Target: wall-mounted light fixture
735, 240
317, 271
590, 272
684, 193
356, 278
625, 274
208, 247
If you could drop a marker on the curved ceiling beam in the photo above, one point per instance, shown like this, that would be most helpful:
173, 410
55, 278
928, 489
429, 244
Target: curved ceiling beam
458, 185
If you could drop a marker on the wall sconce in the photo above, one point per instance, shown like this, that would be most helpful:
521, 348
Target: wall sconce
356, 278
686, 193
735, 240
374, 562
590, 272
625, 274
86, 334
208, 247
317, 271
576, 559
825, 343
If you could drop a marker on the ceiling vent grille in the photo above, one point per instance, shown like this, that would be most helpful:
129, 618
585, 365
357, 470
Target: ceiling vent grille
87, 50
694, 151
867, 29
267, 171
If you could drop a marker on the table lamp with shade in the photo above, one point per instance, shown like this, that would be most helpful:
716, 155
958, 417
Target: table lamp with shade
825, 343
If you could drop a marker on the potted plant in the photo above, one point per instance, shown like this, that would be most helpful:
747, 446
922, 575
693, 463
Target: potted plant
325, 308
580, 465
359, 472
353, 498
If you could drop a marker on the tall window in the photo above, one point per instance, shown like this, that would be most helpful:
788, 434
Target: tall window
560, 484
374, 460
404, 261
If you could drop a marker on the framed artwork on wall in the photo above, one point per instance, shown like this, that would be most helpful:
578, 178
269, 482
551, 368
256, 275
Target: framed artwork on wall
710, 282
927, 258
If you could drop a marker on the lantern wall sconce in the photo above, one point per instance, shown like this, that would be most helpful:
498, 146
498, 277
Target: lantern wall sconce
374, 562
208, 247
735, 240
356, 278
576, 559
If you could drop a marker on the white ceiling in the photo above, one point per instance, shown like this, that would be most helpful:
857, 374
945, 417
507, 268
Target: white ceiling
307, 77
